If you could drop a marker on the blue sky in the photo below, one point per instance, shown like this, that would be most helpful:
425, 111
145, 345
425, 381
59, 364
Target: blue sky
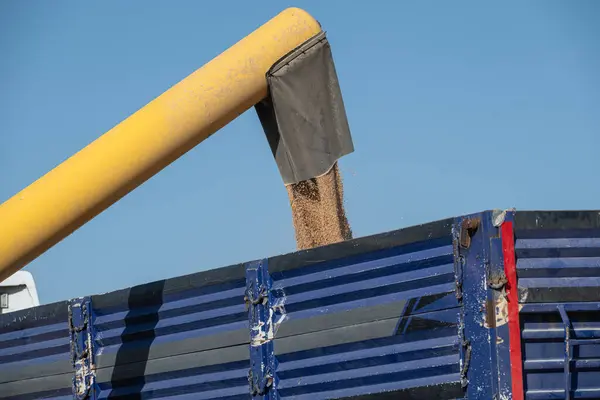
454, 108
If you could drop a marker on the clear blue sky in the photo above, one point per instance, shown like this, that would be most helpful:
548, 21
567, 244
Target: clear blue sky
454, 108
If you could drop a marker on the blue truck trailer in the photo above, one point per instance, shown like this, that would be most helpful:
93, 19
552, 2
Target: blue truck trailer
494, 305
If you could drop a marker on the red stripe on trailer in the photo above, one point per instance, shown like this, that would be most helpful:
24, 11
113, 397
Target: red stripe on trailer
514, 328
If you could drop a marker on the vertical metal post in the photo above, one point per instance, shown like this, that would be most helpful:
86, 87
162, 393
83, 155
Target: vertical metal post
481, 280
511, 329
497, 283
568, 351
82, 349
262, 376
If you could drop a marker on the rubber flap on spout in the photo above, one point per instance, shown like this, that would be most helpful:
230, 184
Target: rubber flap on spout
303, 116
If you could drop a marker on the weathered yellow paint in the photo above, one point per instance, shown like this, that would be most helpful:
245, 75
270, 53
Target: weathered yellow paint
93, 179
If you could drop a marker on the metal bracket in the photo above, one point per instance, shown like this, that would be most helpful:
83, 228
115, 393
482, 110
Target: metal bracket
468, 227
82, 352
459, 264
259, 301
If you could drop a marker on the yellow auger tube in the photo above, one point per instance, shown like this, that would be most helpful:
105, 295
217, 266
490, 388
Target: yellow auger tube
93, 179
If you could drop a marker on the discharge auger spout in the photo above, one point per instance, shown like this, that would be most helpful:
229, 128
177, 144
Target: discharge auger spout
96, 177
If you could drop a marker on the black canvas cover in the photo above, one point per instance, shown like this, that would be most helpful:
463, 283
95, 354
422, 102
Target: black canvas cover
304, 117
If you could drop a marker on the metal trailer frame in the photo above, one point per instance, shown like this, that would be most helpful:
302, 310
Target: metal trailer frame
493, 305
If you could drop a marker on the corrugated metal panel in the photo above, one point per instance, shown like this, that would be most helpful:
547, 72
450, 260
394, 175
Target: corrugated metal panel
558, 256
376, 316
34, 354
185, 338
548, 367
377, 322
423, 361
558, 264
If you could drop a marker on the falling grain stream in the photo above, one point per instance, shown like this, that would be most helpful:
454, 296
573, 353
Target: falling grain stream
318, 210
